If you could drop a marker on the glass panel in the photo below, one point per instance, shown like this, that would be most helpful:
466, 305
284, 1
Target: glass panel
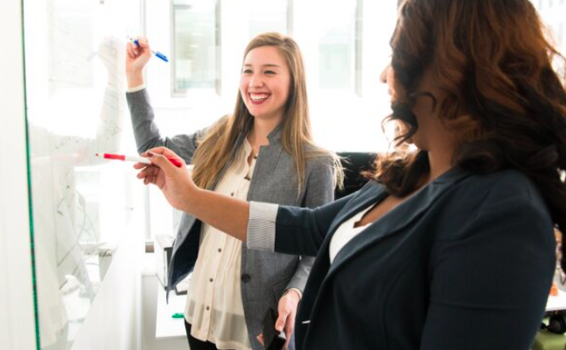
350, 48
74, 54
267, 16
552, 14
195, 31
337, 35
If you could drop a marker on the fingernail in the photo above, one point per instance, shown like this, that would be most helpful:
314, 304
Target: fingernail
150, 154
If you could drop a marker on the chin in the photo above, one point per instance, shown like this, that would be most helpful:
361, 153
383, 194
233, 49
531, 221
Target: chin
415, 144
257, 115
413, 148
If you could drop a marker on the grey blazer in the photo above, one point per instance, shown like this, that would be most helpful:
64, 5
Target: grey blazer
265, 275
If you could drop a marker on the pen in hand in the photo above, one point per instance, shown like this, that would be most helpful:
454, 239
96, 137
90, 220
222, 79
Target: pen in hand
156, 53
175, 161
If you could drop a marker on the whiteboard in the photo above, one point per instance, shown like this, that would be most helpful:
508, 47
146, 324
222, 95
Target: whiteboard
80, 205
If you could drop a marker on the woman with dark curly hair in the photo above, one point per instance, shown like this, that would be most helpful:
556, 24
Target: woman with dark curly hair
450, 246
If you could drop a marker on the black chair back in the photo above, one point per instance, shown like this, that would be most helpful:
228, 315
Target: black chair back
354, 163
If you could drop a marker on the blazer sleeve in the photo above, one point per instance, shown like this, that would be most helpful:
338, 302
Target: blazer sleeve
291, 230
490, 284
147, 133
319, 190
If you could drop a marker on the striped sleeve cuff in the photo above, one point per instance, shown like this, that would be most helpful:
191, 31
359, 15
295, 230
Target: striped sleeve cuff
136, 88
299, 292
261, 226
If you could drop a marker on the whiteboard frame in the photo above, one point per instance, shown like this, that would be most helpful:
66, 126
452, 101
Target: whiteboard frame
17, 321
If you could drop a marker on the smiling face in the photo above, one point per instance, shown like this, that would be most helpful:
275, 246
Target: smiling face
265, 83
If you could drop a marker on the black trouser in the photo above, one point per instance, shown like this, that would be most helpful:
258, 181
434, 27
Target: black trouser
196, 344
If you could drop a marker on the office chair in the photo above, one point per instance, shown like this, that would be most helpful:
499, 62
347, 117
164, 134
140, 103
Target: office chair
354, 163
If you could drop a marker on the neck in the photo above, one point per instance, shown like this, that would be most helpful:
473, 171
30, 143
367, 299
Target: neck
441, 151
440, 161
260, 130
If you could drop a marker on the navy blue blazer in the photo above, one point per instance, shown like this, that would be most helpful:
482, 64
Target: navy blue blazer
465, 263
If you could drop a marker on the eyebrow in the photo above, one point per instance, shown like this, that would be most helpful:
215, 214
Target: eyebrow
265, 65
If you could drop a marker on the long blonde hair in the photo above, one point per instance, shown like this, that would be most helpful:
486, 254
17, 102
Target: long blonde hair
215, 149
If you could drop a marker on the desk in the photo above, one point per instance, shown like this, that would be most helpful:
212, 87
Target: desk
167, 327
555, 303
174, 328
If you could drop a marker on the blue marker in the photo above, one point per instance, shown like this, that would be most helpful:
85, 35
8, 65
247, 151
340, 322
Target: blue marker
156, 53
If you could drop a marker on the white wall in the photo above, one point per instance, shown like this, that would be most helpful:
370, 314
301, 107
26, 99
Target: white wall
17, 322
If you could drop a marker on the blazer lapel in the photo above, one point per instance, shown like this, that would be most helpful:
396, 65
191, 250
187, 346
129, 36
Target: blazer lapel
398, 218
368, 195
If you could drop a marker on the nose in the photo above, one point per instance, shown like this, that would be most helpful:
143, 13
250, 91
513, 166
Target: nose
256, 81
384, 74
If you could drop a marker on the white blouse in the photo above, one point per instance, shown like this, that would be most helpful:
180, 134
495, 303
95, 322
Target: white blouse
346, 232
214, 299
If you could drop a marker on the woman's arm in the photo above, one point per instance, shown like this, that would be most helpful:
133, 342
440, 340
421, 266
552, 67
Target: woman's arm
300, 231
222, 212
146, 131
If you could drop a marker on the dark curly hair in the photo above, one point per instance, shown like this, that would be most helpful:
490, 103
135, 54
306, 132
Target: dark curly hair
492, 59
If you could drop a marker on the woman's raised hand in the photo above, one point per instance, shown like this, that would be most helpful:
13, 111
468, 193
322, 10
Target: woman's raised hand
136, 59
175, 182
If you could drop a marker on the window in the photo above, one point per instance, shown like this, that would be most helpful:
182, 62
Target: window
341, 42
553, 19
344, 50
269, 16
196, 45
340, 45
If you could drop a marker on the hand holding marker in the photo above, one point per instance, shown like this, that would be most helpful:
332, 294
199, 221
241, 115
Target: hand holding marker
156, 53
175, 161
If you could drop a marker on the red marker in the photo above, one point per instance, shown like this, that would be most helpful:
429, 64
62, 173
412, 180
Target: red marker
175, 161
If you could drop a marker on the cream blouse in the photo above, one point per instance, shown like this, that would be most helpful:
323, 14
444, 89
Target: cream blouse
214, 298
345, 233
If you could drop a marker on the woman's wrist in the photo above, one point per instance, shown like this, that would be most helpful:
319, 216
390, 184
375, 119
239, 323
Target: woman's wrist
192, 198
135, 78
296, 293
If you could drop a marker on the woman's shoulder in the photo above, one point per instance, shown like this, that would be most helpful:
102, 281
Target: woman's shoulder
218, 125
497, 191
319, 155
505, 182
322, 163
215, 130
505, 202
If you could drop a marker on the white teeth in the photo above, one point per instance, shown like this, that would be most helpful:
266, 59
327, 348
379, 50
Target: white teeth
258, 97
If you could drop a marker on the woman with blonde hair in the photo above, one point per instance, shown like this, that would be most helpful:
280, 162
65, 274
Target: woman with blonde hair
263, 151
450, 246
